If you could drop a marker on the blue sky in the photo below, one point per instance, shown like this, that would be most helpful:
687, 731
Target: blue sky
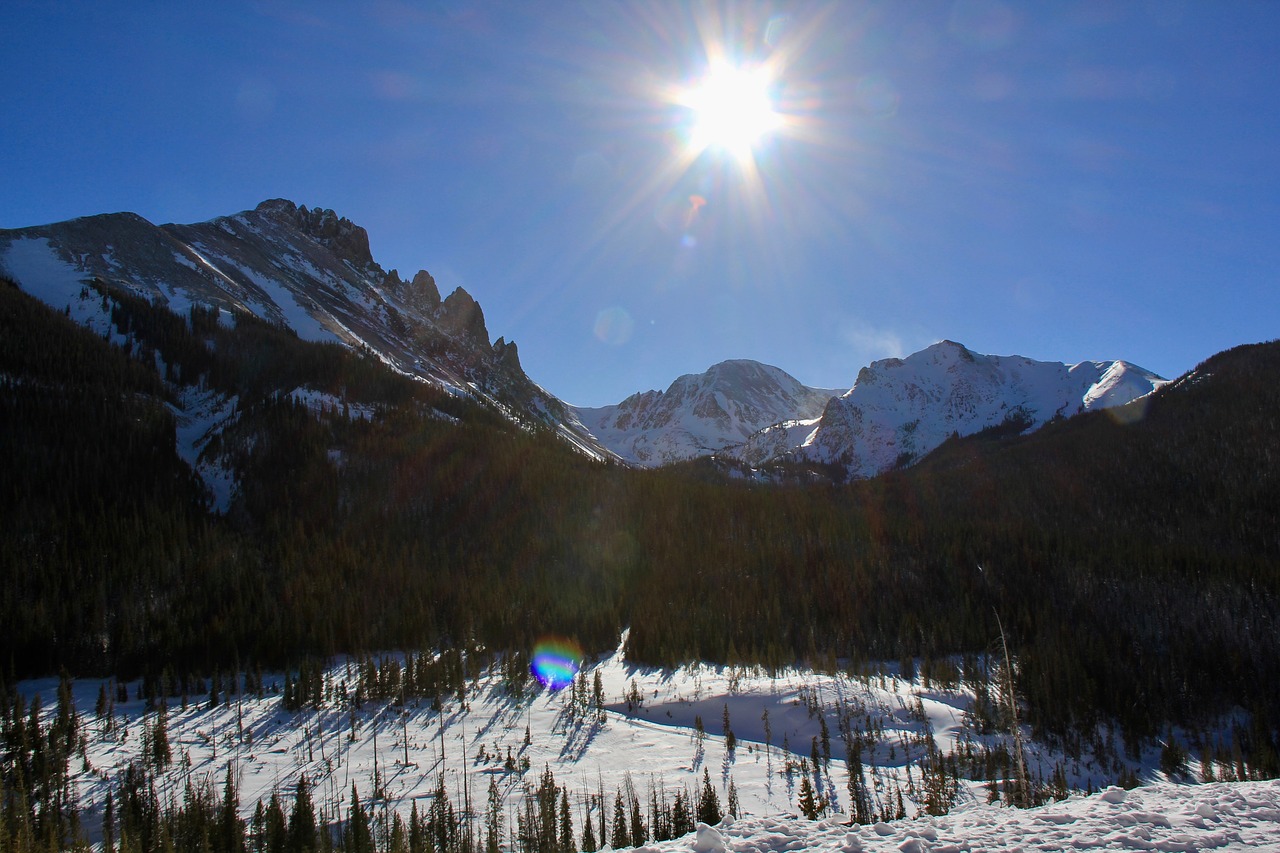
1065, 181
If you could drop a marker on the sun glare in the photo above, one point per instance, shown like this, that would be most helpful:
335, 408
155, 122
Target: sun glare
732, 109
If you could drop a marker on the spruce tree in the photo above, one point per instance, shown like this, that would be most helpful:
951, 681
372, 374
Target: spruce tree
566, 824
708, 802
589, 836
620, 837
302, 822
808, 800
230, 827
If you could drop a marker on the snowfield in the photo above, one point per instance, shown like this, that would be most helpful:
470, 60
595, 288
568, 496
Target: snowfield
1223, 816
656, 746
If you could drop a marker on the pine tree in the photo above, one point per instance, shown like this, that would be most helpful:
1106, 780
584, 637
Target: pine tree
230, 827
358, 838
681, 818
588, 835
109, 825
808, 800
161, 753
275, 831
302, 822
708, 802
493, 818
566, 824
620, 837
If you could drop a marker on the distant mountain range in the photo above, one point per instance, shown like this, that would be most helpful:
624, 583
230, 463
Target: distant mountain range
311, 270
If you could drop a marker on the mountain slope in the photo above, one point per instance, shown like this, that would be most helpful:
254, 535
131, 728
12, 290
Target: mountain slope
901, 409
308, 270
701, 414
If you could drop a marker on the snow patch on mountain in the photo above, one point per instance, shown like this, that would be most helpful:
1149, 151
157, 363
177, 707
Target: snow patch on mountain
307, 269
43, 272
202, 414
701, 414
900, 409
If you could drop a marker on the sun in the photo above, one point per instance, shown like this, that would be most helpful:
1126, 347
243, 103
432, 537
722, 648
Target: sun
732, 109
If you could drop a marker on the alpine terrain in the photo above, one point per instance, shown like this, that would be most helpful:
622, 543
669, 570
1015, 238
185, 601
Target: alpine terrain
901, 409
702, 414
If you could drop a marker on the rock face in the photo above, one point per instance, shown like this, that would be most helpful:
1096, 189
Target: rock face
701, 414
342, 236
460, 315
900, 409
305, 268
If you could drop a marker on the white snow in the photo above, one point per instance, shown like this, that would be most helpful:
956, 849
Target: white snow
201, 415
42, 272
901, 409
656, 745
321, 402
702, 413
296, 315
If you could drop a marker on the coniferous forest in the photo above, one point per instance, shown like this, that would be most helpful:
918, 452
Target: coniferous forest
1130, 556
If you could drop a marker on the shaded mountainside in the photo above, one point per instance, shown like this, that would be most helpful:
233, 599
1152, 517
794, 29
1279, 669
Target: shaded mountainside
311, 271
1130, 553
308, 270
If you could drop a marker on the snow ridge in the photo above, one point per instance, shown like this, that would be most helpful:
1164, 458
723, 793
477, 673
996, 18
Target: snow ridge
702, 413
900, 409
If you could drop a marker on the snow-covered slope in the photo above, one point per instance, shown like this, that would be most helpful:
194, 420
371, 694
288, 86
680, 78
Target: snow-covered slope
655, 749
702, 413
307, 269
900, 409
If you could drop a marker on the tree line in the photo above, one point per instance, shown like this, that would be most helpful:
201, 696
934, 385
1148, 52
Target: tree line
1130, 557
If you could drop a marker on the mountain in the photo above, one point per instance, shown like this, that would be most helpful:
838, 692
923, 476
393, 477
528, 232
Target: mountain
901, 409
701, 414
1129, 552
311, 271
305, 269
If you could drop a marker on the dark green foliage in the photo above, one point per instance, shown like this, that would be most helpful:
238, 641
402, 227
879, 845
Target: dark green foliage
1131, 555
708, 802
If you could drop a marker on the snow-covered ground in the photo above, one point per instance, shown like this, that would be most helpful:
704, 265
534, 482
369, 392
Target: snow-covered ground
656, 746
1221, 816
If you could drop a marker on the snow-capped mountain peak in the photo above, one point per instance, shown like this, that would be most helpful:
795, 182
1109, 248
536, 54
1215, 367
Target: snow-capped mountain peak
702, 413
900, 409
308, 269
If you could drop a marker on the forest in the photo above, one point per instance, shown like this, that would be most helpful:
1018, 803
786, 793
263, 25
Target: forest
1130, 557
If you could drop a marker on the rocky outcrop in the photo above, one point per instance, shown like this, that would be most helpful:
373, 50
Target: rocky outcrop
341, 235
460, 316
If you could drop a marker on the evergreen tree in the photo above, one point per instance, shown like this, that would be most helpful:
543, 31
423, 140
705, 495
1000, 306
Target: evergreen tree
302, 821
230, 827
161, 753
109, 824
493, 818
808, 800
708, 802
566, 824
275, 831
588, 835
621, 837
359, 838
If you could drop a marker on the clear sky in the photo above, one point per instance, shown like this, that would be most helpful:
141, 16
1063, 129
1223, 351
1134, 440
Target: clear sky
1065, 181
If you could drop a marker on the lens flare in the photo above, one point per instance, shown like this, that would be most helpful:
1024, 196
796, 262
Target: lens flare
555, 662
732, 109
614, 326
